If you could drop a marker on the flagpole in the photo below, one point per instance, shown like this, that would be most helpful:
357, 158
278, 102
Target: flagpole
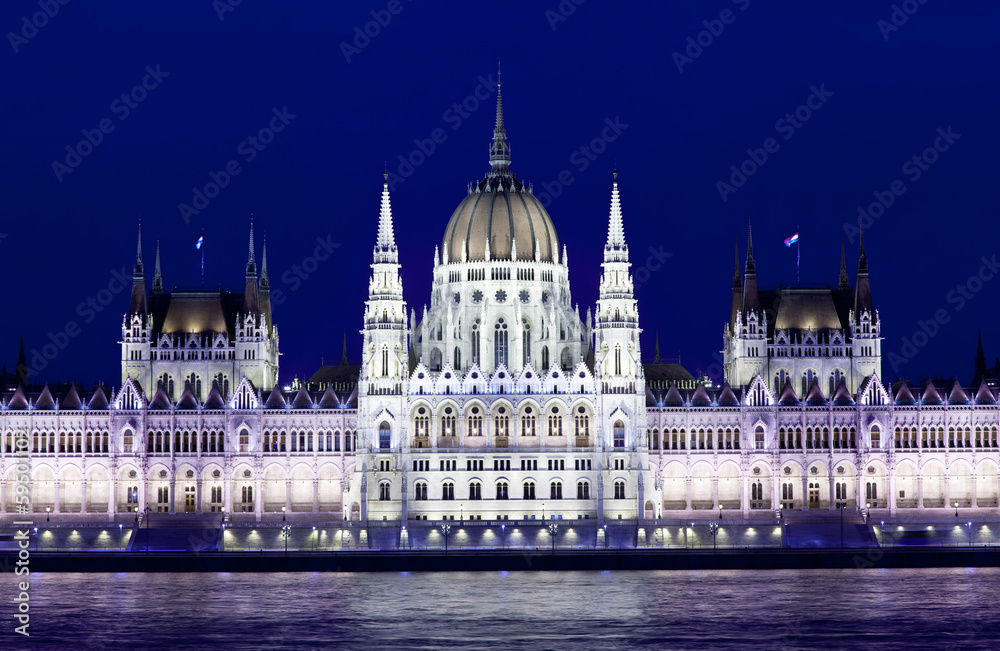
202, 247
798, 256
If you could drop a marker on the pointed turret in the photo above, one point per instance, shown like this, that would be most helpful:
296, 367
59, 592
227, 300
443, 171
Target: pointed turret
751, 301
265, 288
385, 242
862, 290
980, 370
844, 282
616, 250
343, 356
656, 351
737, 301
157, 277
251, 300
22, 366
137, 304
499, 148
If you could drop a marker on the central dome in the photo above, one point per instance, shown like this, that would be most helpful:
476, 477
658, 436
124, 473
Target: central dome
501, 213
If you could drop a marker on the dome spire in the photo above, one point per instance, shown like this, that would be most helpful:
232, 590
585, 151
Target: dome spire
500, 148
616, 249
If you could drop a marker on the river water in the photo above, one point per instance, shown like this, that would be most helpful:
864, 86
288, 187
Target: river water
780, 609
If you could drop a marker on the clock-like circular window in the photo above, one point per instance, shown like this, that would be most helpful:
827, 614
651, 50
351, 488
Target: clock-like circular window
501, 296
477, 296
524, 296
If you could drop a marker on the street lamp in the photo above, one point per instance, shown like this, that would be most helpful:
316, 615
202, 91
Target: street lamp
148, 510
316, 535
969, 526
543, 510
47, 509
36, 539
720, 512
286, 530
445, 529
956, 509
223, 537
714, 528
282, 514
461, 513
503, 544
605, 536
553, 530
119, 536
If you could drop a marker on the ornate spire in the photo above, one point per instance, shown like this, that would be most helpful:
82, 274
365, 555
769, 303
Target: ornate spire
385, 243
500, 148
157, 277
980, 370
343, 356
751, 268
862, 289
862, 259
251, 260
751, 301
137, 272
616, 245
265, 285
737, 278
845, 282
656, 353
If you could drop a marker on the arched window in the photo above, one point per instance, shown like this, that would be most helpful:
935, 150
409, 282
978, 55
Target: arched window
385, 361
502, 490
618, 359
384, 492
876, 435
457, 359
780, 378
807, 380
475, 491
835, 379
545, 358
527, 424
555, 490
500, 343
555, 423
422, 423
525, 340
436, 359
619, 490
582, 490
529, 490
566, 359
758, 435
384, 436
420, 492
475, 342
167, 384
448, 491
448, 423
619, 434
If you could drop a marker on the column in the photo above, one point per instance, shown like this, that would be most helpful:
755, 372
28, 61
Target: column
775, 490
112, 497
288, 495
173, 494
315, 495
3, 495
227, 494
891, 503
83, 496
805, 492
744, 496
920, 491
715, 493
861, 491
144, 495
55, 507
197, 496
687, 493
433, 434
833, 502
257, 497
947, 490
974, 502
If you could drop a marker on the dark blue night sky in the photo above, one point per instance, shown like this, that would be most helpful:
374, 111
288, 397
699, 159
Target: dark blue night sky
881, 93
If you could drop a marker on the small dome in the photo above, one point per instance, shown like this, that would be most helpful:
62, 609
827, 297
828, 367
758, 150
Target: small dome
501, 210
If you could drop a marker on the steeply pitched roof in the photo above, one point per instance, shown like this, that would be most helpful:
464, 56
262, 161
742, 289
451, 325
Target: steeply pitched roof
72, 399
187, 401
815, 397
45, 400
984, 396
904, 396
275, 400
727, 398
302, 400
160, 400
842, 397
214, 400
957, 396
673, 398
99, 400
329, 399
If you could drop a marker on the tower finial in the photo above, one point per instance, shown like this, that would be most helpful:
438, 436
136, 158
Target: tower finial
264, 283
343, 357
751, 267
157, 277
616, 229
251, 260
385, 242
138, 253
737, 279
844, 282
862, 259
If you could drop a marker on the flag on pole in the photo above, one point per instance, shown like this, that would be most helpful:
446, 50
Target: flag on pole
789, 241
201, 240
